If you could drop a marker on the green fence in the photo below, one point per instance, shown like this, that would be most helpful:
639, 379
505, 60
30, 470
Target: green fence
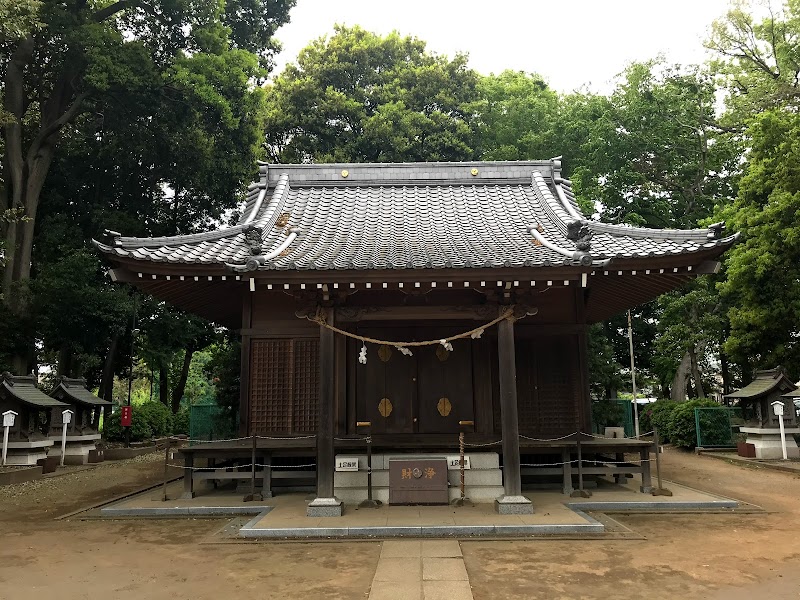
613, 413
209, 421
717, 427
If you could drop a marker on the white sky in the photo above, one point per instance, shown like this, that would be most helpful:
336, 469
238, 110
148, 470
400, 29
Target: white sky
570, 42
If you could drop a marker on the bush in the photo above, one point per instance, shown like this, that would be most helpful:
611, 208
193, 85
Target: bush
657, 415
681, 427
151, 419
180, 422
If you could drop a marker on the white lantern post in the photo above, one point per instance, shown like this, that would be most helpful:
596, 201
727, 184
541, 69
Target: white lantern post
777, 408
66, 416
8, 423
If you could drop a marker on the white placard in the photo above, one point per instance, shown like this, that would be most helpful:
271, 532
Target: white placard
8, 418
453, 463
66, 416
347, 463
777, 408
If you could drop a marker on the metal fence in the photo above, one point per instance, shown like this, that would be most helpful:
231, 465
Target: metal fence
613, 413
209, 421
717, 427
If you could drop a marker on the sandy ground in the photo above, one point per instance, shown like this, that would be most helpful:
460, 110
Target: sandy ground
715, 556
684, 556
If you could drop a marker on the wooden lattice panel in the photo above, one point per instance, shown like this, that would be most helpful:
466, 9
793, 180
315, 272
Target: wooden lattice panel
548, 386
305, 405
271, 381
559, 387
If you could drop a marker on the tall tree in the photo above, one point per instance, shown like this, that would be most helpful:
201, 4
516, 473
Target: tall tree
517, 117
758, 59
653, 154
186, 65
358, 96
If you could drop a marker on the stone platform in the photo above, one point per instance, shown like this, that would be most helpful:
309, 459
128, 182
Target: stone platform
284, 516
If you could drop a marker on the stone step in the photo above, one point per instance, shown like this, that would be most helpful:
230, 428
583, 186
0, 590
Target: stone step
476, 494
380, 478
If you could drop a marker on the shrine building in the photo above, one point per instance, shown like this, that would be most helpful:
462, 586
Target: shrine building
412, 302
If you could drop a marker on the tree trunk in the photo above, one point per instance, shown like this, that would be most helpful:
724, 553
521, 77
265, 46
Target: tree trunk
163, 384
107, 384
698, 381
678, 387
180, 387
64, 362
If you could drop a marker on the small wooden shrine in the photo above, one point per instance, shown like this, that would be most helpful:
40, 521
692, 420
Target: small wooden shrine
29, 438
424, 299
762, 425
83, 428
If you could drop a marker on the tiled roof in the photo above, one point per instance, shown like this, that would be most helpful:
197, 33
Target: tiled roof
412, 216
764, 383
24, 389
74, 390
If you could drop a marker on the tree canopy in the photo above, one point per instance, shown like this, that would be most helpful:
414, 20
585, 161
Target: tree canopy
362, 97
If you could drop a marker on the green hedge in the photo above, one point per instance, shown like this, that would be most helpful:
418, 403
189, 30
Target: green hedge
675, 420
151, 419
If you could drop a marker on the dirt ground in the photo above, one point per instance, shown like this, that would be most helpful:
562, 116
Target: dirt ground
684, 556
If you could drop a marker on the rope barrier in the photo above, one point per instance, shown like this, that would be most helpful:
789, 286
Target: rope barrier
319, 319
242, 466
482, 445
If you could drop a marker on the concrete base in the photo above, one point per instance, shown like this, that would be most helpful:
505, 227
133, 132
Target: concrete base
27, 453
325, 507
77, 450
483, 482
767, 442
513, 505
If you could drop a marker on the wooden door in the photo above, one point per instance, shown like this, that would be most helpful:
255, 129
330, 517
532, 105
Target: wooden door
385, 387
445, 394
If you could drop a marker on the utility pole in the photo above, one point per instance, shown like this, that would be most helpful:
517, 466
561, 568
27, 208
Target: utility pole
134, 333
633, 377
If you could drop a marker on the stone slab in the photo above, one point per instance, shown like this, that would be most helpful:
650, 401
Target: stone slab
443, 569
389, 590
513, 505
325, 507
113, 511
399, 569
446, 590
440, 548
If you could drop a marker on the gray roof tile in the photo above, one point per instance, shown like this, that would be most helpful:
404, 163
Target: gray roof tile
402, 216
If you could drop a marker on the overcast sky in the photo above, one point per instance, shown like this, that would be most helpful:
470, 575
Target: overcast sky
571, 43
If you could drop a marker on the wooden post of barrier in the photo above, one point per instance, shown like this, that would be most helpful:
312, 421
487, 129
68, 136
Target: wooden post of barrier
253, 496
462, 500
370, 502
660, 490
166, 470
580, 492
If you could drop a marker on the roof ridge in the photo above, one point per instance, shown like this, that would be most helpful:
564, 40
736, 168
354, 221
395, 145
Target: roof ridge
650, 233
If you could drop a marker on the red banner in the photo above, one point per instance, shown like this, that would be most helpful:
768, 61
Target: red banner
125, 416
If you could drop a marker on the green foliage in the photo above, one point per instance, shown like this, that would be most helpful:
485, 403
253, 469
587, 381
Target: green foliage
224, 369
656, 415
517, 117
150, 419
179, 422
681, 425
362, 97
652, 155
763, 285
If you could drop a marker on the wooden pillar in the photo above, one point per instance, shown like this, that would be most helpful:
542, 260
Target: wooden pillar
512, 502
325, 504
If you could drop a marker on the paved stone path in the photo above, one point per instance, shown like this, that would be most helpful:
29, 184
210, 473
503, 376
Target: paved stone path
421, 570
